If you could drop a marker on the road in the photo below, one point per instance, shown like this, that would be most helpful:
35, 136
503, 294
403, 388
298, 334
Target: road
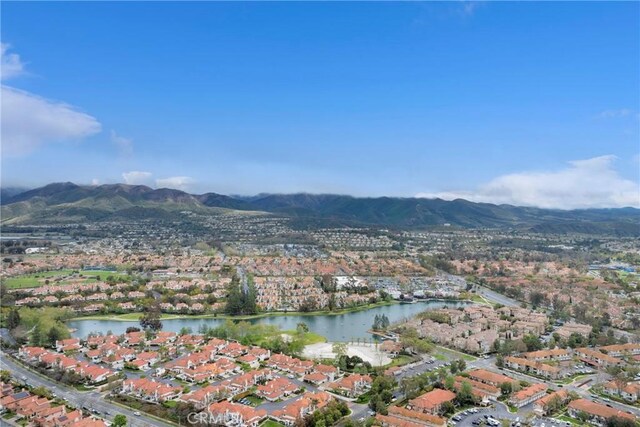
91, 400
496, 297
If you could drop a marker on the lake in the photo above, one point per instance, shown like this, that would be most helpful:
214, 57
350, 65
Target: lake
338, 327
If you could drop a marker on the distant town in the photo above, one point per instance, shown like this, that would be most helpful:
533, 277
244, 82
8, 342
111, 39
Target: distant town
463, 327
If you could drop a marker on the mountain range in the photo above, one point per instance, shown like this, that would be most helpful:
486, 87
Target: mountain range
59, 202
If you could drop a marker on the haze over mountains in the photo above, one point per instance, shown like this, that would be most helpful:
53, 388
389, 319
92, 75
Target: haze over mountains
59, 202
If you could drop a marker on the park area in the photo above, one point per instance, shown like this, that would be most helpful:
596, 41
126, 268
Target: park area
59, 277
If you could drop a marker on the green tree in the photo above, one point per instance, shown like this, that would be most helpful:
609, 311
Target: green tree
250, 306
234, 298
506, 388
241, 300
532, 342
554, 404
13, 319
37, 335
150, 319
536, 298
332, 304
458, 366
339, 349
302, 328
55, 334
380, 322
295, 347
464, 394
449, 382
582, 416
447, 408
42, 392
619, 422
410, 340
119, 421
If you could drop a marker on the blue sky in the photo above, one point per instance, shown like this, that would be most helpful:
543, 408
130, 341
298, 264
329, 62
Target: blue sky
524, 103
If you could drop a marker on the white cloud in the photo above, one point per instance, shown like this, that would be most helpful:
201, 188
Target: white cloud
468, 8
590, 183
29, 121
178, 182
622, 112
137, 178
124, 145
10, 63
95, 181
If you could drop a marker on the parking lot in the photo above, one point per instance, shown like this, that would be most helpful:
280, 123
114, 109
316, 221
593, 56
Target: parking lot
492, 416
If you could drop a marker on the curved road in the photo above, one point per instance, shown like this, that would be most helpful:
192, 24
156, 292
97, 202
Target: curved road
496, 297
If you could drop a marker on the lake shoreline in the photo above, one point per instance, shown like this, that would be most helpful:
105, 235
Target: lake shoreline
135, 317
342, 326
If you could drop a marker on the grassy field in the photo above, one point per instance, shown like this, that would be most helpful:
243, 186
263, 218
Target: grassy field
401, 360
271, 423
479, 299
254, 400
454, 354
572, 379
568, 419
309, 337
58, 276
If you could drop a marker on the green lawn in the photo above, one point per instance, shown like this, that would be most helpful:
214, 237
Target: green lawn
470, 296
568, 419
364, 398
170, 404
309, 337
254, 400
82, 387
401, 360
572, 379
454, 353
271, 423
38, 279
